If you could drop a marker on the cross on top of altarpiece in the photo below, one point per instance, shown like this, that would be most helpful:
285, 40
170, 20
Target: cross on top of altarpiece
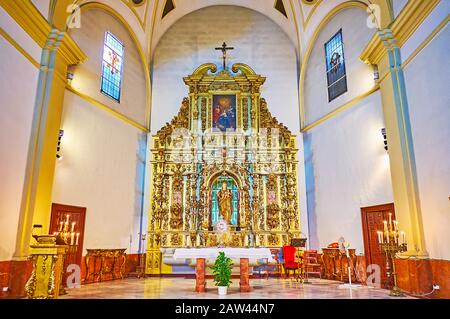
224, 48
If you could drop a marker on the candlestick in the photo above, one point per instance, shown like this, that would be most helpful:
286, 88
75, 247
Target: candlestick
61, 226
403, 235
72, 239
73, 226
396, 225
387, 238
78, 237
198, 240
390, 220
385, 228
67, 218
188, 241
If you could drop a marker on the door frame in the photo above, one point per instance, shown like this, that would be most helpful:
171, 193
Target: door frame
364, 211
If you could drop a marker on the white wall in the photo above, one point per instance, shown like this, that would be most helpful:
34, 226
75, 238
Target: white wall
355, 35
398, 5
427, 80
346, 168
433, 20
43, 6
101, 171
103, 156
18, 81
10, 26
90, 38
258, 42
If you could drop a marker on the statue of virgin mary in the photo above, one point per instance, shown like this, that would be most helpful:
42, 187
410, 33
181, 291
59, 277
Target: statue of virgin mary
224, 197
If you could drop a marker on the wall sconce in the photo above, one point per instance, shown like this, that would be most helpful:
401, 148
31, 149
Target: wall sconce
376, 73
58, 148
70, 74
383, 132
69, 78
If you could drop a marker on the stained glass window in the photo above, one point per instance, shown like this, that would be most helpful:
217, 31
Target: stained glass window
336, 74
112, 65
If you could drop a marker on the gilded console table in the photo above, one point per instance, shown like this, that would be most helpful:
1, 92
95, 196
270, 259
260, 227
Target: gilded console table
116, 257
335, 263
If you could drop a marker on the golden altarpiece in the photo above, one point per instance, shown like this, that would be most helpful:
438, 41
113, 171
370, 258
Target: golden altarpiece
222, 137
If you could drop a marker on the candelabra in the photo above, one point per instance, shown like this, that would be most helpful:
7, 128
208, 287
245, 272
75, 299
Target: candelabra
391, 242
70, 237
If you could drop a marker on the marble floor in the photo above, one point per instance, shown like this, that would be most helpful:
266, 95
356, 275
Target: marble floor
180, 288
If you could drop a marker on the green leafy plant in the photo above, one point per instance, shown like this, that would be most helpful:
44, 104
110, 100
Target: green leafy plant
222, 270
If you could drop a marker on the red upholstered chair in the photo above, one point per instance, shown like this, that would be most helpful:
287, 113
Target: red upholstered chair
289, 260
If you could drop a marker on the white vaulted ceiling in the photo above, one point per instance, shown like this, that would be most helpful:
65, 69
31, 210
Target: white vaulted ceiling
184, 7
146, 20
148, 24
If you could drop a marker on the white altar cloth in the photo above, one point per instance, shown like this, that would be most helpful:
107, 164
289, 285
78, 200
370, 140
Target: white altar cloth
213, 252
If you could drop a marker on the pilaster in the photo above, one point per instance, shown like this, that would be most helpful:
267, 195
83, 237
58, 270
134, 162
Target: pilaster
384, 50
58, 51
401, 146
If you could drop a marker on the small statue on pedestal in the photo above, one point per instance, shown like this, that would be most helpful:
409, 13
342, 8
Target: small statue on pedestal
221, 228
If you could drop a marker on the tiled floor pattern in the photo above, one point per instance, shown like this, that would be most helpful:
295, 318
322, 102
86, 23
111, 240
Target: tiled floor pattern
180, 288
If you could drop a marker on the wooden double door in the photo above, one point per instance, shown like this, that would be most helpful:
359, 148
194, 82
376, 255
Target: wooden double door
372, 221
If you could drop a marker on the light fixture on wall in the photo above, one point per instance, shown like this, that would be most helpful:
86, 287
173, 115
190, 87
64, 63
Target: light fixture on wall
383, 132
70, 74
376, 73
58, 148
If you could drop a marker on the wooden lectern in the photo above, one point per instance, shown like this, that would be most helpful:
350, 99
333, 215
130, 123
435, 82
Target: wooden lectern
48, 262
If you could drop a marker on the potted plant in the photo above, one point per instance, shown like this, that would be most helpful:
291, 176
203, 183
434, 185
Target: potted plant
222, 272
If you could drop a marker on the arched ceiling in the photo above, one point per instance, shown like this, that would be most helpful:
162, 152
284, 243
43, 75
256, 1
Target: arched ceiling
300, 19
265, 7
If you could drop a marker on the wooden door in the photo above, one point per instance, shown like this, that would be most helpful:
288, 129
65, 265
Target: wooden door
77, 215
372, 221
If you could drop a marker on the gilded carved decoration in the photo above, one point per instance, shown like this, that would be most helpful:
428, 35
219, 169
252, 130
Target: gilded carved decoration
245, 113
203, 110
48, 260
176, 209
188, 159
179, 121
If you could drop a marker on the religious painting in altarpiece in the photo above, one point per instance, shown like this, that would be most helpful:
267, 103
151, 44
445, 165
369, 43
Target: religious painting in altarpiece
222, 151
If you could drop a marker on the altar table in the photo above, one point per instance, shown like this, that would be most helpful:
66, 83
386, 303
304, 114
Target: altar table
244, 254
